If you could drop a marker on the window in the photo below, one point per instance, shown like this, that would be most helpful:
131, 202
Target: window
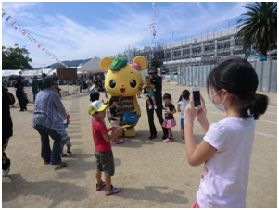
238, 42
186, 52
177, 53
196, 50
209, 47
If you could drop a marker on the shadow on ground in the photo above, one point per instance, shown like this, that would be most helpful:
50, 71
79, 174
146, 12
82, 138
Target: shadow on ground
154, 194
18, 186
79, 165
141, 139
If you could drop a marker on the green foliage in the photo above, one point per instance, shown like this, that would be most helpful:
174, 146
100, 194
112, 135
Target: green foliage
258, 27
15, 58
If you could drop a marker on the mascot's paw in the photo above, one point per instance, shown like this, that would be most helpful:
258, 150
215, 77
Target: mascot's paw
129, 133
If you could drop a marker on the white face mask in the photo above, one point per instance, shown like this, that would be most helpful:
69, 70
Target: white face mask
218, 106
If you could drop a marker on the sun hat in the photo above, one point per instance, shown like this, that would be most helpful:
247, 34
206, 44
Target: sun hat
97, 106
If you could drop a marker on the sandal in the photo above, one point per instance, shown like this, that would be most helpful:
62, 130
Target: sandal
113, 190
100, 186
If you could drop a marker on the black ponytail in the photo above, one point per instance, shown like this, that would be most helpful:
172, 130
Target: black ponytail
237, 76
254, 106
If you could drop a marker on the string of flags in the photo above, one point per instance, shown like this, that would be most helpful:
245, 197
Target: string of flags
14, 23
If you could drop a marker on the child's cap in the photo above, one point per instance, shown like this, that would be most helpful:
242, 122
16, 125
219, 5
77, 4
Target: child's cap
97, 106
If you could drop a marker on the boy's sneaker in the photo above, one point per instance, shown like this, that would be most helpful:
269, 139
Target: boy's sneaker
5, 172
113, 190
100, 186
166, 140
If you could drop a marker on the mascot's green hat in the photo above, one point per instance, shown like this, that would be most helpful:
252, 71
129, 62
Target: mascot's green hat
118, 63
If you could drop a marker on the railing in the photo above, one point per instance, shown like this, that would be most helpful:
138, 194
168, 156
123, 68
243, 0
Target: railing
197, 75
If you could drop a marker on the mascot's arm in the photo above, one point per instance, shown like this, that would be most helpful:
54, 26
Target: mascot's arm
136, 105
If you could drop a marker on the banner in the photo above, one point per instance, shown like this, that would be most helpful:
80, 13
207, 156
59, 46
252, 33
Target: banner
25, 33
66, 73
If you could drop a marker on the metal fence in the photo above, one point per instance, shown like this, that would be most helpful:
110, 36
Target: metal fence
197, 75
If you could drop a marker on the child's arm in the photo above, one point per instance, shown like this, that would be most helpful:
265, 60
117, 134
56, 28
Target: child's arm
196, 154
173, 110
68, 119
116, 131
179, 107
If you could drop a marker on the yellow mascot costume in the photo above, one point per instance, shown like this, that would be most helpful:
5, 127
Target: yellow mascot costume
123, 81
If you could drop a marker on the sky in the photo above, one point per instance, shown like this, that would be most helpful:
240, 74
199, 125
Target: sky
80, 30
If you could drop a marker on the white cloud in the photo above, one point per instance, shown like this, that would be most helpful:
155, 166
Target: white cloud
68, 39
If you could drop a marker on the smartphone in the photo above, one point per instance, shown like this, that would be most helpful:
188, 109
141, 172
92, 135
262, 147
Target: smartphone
197, 98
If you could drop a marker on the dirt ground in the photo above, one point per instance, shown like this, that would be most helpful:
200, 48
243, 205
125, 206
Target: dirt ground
149, 173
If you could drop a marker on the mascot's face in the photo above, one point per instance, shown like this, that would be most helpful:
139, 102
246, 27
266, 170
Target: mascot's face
126, 82
123, 79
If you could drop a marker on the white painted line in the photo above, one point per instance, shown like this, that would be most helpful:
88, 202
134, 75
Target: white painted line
272, 113
266, 121
218, 113
266, 135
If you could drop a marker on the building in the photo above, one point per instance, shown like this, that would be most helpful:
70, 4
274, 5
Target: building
204, 49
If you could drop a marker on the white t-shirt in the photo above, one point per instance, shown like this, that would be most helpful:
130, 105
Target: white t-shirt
225, 176
183, 103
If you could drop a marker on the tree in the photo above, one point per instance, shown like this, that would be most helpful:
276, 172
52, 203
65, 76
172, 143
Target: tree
259, 27
15, 58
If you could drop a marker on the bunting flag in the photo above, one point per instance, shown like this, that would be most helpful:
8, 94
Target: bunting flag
25, 33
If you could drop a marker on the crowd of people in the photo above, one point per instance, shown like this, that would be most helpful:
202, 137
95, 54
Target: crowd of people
232, 87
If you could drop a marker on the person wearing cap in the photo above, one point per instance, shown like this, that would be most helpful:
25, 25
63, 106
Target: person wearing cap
157, 81
103, 152
48, 119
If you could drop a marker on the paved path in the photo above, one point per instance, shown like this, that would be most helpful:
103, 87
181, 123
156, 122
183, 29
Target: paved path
150, 173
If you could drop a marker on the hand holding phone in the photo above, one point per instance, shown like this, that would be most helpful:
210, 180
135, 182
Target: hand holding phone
196, 97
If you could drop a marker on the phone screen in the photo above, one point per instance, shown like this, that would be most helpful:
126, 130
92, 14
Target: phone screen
197, 99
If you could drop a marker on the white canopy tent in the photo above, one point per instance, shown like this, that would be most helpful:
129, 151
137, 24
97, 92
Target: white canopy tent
91, 66
10, 72
27, 72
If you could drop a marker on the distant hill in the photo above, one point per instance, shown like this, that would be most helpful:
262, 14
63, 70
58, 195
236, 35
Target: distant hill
73, 63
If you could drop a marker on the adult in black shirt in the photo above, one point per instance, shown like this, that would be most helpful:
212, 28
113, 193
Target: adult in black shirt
7, 127
22, 99
157, 81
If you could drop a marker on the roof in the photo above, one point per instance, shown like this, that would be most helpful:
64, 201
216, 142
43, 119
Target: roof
91, 66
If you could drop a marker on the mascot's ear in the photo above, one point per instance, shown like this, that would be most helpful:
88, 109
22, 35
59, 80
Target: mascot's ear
142, 61
105, 63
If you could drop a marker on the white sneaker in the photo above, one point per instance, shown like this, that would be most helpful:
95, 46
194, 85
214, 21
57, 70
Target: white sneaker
166, 140
5, 172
